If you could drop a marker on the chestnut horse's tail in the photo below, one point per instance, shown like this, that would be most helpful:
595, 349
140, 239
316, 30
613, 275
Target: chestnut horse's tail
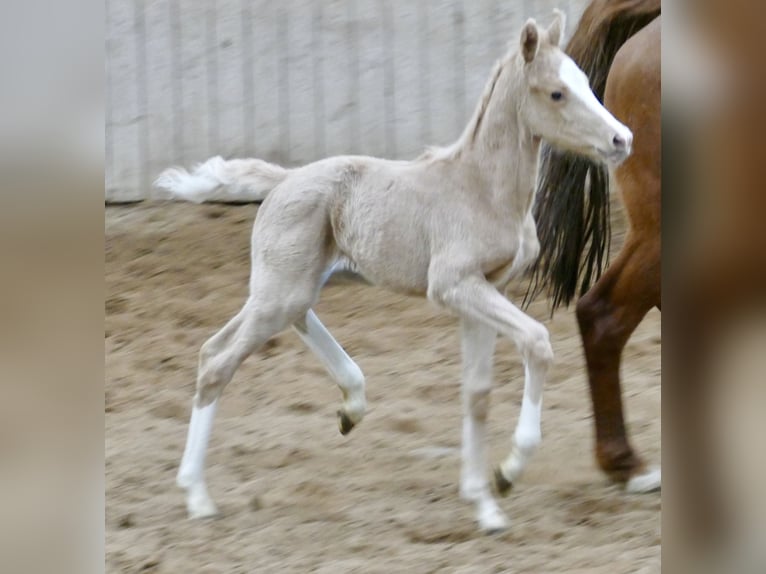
572, 217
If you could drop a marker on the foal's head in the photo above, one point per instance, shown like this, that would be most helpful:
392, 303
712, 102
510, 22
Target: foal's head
559, 105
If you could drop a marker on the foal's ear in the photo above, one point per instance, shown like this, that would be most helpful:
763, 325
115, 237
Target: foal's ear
530, 39
557, 27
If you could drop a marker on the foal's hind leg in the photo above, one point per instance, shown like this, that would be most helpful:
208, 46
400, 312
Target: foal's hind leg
219, 358
607, 315
191, 472
342, 368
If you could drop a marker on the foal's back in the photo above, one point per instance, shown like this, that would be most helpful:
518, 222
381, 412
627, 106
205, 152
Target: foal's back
362, 208
389, 217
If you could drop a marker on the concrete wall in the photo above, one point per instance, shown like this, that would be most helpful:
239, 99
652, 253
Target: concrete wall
291, 81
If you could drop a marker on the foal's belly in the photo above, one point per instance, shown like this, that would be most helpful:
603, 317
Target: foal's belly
410, 281
396, 257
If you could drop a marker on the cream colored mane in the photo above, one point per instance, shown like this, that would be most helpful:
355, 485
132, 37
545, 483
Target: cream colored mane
470, 132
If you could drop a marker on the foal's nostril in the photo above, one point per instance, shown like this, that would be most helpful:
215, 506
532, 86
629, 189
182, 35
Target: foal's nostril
619, 142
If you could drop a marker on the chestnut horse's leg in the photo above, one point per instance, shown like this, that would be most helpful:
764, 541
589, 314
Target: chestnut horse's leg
607, 315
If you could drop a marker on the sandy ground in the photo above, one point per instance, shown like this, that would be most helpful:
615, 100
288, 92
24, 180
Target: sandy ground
295, 495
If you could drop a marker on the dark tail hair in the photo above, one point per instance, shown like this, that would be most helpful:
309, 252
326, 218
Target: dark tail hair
572, 201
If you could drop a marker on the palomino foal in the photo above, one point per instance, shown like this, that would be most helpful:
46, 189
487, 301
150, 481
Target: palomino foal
454, 225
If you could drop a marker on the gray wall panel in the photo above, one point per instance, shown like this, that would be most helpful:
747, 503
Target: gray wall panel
293, 81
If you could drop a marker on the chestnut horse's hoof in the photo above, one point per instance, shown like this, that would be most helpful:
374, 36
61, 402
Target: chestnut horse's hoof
345, 424
646, 482
502, 485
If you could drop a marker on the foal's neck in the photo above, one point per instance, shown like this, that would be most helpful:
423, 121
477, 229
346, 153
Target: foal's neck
498, 141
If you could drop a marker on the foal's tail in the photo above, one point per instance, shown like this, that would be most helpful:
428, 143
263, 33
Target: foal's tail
233, 181
572, 201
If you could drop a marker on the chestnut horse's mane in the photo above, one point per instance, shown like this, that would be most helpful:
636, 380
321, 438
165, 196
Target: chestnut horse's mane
572, 217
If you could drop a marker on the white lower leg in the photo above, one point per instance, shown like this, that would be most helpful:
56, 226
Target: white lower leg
474, 485
649, 481
525, 441
478, 346
191, 474
528, 435
341, 367
473, 471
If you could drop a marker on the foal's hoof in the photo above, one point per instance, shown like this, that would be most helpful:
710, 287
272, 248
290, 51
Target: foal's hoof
202, 508
493, 522
495, 530
345, 424
502, 485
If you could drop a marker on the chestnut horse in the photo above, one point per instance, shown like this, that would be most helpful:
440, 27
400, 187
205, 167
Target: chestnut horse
617, 44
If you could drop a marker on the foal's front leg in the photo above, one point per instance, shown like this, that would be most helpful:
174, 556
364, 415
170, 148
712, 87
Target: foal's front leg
478, 347
474, 298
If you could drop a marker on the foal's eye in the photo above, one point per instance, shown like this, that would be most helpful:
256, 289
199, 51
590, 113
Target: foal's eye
556, 96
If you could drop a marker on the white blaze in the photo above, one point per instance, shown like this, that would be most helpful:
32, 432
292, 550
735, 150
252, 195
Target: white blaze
579, 88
